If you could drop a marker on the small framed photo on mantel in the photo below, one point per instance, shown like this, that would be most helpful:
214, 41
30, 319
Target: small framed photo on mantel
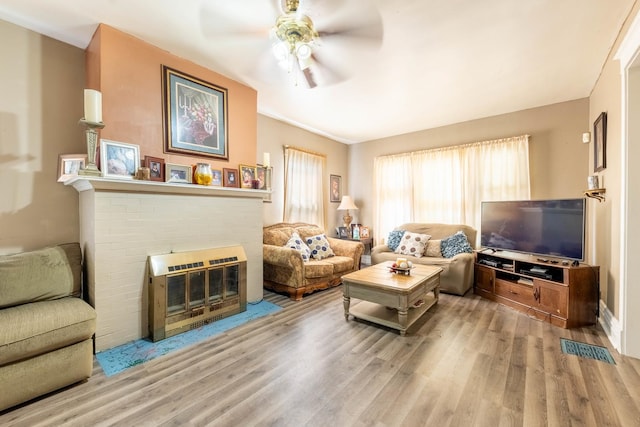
177, 173
230, 177
69, 165
119, 159
156, 168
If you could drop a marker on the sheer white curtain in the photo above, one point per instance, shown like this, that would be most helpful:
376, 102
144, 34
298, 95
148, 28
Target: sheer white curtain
447, 184
495, 170
392, 181
303, 187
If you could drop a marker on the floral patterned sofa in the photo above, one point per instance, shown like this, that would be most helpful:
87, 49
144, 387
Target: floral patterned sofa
289, 267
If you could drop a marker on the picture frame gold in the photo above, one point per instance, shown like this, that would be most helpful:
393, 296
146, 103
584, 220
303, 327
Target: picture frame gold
364, 232
69, 165
248, 175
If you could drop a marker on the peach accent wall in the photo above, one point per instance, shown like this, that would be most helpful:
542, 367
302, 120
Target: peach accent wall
128, 72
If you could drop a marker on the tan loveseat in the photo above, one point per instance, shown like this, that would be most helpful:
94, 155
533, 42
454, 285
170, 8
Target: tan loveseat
457, 272
285, 271
45, 328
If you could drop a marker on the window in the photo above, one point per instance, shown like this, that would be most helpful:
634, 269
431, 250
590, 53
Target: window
447, 184
303, 187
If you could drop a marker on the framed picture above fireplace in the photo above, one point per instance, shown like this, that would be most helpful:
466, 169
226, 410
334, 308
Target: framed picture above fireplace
195, 115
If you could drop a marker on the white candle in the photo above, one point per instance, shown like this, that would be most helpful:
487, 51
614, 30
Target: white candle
92, 106
266, 160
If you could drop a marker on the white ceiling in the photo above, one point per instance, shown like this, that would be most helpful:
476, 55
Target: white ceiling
437, 62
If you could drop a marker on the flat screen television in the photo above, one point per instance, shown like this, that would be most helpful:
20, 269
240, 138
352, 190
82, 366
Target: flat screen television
554, 228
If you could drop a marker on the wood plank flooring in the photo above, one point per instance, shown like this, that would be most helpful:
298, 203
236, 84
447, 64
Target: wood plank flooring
467, 362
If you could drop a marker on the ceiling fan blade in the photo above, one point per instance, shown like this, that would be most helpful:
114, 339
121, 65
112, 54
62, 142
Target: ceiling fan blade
308, 75
340, 18
326, 72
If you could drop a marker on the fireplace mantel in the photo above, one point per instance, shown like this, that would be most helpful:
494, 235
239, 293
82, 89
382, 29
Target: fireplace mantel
124, 222
84, 183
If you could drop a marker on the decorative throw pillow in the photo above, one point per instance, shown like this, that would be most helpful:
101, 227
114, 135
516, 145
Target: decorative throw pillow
454, 245
319, 246
295, 242
433, 248
394, 239
412, 244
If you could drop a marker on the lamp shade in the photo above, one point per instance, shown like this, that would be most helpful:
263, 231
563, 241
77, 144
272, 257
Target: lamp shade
347, 204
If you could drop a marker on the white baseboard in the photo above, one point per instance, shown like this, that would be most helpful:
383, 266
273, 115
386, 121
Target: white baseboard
611, 326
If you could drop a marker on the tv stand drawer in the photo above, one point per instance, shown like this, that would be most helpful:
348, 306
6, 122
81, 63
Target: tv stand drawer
515, 292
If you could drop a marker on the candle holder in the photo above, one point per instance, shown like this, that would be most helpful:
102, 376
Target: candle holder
267, 183
91, 167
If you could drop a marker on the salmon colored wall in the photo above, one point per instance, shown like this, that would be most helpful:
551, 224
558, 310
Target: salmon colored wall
128, 72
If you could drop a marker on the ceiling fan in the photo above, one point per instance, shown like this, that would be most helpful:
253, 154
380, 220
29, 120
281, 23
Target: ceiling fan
318, 41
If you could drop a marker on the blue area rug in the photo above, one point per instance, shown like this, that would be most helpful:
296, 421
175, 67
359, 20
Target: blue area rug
117, 359
586, 350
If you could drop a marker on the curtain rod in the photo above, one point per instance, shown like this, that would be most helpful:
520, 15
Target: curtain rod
457, 147
314, 153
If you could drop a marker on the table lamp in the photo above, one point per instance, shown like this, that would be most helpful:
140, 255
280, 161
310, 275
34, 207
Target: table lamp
345, 205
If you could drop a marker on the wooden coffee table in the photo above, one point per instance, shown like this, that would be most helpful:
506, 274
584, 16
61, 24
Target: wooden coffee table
390, 299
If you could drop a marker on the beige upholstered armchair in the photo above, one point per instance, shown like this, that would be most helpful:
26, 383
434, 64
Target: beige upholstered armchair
286, 270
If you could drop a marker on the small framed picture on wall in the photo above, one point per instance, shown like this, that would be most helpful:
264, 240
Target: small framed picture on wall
600, 143
335, 188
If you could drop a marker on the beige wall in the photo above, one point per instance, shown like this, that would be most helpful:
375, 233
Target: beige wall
606, 96
41, 82
559, 161
273, 135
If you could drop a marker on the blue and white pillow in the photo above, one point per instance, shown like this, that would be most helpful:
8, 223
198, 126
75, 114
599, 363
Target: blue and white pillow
455, 244
319, 246
394, 239
296, 242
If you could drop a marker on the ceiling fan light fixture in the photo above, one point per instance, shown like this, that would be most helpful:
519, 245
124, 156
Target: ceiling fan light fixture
293, 38
281, 51
303, 51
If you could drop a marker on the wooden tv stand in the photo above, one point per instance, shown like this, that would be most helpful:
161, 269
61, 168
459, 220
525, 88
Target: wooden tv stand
551, 289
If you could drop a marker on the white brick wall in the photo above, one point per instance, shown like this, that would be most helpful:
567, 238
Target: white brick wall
120, 229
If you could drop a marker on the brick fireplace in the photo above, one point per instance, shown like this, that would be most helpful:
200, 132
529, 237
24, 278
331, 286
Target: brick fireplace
124, 222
